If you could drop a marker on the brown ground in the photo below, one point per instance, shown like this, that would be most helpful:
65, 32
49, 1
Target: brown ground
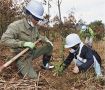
49, 80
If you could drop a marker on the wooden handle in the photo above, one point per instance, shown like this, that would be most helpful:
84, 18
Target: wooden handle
16, 57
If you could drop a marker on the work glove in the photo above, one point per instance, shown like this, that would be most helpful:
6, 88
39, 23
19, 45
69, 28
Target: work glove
48, 41
45, 39
30, 45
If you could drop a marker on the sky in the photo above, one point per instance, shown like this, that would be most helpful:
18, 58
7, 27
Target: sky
87, 10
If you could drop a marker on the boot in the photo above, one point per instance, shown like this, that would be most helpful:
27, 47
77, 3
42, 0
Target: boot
46, 64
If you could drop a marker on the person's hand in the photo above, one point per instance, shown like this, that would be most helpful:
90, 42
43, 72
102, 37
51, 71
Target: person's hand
30, 45
50, 42
45, 39
75, 70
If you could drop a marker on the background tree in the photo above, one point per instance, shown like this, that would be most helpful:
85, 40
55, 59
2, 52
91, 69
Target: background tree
8, 13
55, 21
59, 9
98, 28
47, 2
70, 21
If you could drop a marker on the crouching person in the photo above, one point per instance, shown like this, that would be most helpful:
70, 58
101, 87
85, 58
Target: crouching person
82, 55
23, 33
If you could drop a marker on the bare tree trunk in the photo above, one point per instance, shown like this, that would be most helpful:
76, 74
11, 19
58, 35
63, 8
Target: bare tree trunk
48, 9
59, 3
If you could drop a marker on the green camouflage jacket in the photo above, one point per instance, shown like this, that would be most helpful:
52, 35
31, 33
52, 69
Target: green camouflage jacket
19, 32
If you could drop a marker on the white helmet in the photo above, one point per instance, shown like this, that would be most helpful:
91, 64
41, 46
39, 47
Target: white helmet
84, 28
35, 8
72, 40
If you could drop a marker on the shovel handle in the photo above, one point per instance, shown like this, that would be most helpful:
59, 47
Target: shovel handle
16, 57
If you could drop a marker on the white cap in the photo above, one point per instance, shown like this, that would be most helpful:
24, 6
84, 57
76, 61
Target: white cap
35, 8
72, 40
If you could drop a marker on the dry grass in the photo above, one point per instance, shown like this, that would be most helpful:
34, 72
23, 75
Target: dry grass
99, 46
48, 80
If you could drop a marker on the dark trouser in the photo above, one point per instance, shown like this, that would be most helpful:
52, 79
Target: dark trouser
25, 66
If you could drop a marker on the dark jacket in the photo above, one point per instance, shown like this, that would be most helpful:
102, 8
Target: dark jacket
86, 53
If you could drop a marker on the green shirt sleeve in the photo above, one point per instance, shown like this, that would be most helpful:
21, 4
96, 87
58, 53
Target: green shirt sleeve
44, 38
91, 32
81, 33
10, 37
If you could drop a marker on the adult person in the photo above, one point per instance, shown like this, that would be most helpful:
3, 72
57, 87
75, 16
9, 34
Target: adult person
23, 33
87, 33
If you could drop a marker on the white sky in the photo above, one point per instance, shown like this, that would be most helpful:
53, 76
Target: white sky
88, 10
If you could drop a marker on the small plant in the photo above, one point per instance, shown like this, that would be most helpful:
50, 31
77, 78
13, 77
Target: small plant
56, 70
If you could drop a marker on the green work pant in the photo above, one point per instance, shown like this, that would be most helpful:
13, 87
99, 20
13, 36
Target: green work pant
25, 65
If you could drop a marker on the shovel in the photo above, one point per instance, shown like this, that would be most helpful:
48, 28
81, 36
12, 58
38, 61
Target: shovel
16, 57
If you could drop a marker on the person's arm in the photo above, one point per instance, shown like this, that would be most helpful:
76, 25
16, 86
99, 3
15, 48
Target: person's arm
10, 37
68, 60
66, 63
91, 32
89, 57
44, 39
81, 34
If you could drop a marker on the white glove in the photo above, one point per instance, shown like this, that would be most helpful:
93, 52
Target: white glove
45, 39
50, 42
